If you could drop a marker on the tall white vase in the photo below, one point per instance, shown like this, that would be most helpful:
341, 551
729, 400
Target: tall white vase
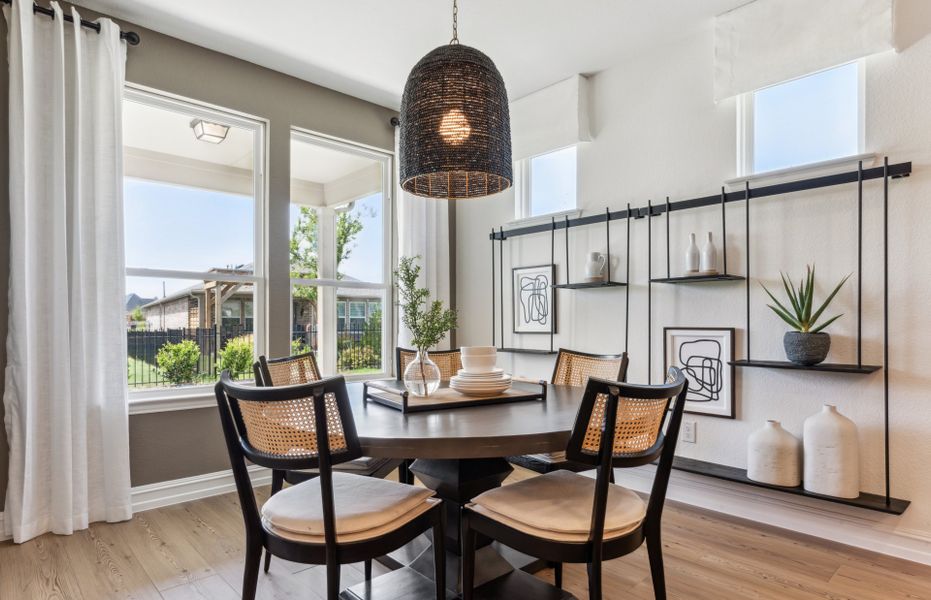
774, 456
832, 454
709, 257
692, 256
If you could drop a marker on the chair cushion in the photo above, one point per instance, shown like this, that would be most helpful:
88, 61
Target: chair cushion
361, 503
558, 506
348, 538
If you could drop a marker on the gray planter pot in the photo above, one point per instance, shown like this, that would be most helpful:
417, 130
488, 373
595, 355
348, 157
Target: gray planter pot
806, 348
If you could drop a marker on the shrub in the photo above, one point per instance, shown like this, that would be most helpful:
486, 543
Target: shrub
178, 362
359, 357
237, 355
298, 346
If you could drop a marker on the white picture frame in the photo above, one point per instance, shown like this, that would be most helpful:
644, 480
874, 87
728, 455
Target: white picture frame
705, 355
533, 299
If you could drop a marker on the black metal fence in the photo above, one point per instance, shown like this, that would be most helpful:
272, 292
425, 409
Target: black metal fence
358, 350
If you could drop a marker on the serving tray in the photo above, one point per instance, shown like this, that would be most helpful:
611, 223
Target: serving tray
393, 394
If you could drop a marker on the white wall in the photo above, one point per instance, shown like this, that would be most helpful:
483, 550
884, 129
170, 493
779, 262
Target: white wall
657, 132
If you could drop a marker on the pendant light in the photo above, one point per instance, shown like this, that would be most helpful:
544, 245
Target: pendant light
455, 127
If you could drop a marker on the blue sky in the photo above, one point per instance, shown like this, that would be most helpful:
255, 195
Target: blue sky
807, 120
192, 229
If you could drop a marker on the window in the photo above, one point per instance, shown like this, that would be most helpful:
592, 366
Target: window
803, 121
340, 254
191, 293
547, 183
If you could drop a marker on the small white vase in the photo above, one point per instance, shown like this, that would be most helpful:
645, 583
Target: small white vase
692, 256
832, 454
774, 456
709, 257
595, 266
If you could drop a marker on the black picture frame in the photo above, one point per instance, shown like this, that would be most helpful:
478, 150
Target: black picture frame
727, 373
551, 296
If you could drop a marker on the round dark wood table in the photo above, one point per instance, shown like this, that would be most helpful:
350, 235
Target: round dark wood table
460, 453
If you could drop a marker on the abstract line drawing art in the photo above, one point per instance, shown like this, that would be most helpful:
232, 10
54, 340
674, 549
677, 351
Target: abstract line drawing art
534, 309
702, 364
705, 355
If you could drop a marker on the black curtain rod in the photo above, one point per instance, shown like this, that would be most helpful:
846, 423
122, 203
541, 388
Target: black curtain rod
131, 37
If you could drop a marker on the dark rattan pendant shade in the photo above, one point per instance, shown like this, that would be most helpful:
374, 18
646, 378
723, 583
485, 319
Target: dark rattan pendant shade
455, 126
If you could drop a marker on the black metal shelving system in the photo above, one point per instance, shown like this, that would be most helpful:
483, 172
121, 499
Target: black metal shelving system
879, 502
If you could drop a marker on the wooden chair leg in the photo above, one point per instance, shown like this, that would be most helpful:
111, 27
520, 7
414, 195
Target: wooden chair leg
368, 570
332, 580
439, 553
277, 484
557, 574
594, 580
467, 558
250, 577
655, 552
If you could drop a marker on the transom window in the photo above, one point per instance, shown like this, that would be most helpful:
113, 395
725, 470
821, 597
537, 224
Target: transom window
547, 183
808, 120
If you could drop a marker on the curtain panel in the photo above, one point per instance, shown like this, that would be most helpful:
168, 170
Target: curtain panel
65, 401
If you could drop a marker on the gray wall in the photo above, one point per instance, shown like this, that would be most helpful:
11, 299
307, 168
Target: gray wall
171, 445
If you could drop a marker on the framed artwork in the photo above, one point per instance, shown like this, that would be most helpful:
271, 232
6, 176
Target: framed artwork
704, 354
533, 299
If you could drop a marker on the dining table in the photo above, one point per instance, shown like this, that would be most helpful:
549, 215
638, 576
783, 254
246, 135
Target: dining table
460, 453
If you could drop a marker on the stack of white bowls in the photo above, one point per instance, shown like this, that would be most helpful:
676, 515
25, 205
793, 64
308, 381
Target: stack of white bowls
479, 376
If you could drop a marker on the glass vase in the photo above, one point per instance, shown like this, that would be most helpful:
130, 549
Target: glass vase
422, 376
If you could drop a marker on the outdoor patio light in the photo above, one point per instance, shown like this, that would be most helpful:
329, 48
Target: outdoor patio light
455, 127
206, 131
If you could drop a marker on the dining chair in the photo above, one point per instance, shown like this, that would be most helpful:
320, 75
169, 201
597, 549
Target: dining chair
574, 368
333, 519
447, 361
295, 370
565, 516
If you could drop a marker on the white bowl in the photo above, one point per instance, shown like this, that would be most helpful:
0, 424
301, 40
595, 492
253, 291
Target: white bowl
478, 350
478, 364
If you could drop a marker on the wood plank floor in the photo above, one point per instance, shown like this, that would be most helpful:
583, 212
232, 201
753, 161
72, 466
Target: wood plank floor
195, 551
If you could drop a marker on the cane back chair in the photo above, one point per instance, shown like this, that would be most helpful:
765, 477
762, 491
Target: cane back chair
296, 370
447, 361
334, 519
570, 517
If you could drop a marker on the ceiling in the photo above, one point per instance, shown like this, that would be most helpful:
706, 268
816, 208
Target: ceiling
366, 48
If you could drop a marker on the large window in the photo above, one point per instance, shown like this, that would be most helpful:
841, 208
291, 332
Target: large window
808, 120
547, 183
193, 228
340, 216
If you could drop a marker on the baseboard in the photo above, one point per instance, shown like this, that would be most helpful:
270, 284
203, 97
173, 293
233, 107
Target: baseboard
175, 491
873, 531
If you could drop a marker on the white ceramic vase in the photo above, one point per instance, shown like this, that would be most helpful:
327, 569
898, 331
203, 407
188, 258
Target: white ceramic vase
595, 266
709, 257
774, 456
832, 454
692, 256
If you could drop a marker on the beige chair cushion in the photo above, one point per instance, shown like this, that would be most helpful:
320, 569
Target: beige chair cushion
359, 536
361, 503
558, 506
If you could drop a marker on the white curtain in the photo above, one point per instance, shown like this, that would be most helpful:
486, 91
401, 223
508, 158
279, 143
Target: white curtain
423, 230
65, 400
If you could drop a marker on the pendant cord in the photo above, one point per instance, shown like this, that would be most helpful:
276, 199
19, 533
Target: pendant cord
455, 39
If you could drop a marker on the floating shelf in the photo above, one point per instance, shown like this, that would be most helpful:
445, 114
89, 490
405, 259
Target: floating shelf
876, 502
526, 351
589, 285
827, 367
699, 278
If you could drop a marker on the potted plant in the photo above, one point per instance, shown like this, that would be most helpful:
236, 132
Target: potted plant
807, 344
428, 323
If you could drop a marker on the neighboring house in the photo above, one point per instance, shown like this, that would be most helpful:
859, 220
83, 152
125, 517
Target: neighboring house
194, 307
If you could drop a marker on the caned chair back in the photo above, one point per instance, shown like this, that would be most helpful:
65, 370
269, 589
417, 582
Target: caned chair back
574, 368
290, 370
448, 361
291, 427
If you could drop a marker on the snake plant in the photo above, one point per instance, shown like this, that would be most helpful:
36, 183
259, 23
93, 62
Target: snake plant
800, 316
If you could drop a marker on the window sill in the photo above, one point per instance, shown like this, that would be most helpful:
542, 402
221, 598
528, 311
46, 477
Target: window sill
822, 167
144, 403
547, 218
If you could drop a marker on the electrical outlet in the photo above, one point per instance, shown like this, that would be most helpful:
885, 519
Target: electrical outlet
688, 432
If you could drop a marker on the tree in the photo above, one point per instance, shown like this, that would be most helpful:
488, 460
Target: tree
304, 246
